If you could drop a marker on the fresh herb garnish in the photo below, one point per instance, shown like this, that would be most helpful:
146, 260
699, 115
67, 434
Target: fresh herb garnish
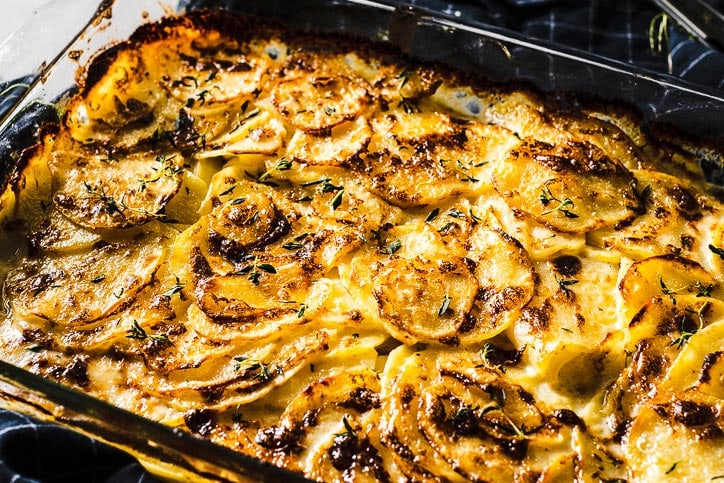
392, 247
564, 284
717, 251
255, 269
136, 331
167, 170
175, 289
564, 206
703, 291
445, 306
337, 199
296, 242
257, 368
432, 215
283, 164
111, 205
455, 213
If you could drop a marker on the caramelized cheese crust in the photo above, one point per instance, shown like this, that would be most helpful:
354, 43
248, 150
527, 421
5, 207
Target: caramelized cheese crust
319, 253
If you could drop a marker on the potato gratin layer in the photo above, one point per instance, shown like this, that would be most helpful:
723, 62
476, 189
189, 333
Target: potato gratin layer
315, 252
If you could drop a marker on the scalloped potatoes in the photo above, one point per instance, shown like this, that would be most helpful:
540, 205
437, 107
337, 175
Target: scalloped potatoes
364, 269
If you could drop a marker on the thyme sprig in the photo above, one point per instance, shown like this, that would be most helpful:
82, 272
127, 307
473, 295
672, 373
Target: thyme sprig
260, 370
255, 270
137, 332
283, 164
564, 206
564, 284
167, 170
175, 289
717, 251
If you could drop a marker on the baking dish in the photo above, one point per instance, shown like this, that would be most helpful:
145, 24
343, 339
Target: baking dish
417, 32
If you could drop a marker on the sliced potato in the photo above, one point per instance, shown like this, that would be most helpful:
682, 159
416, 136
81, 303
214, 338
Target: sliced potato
669, 210
665, 275
572, 187
339, 147
425, 300
104, 192
77, 288
505, 275
238, 374
317, 103
666, 439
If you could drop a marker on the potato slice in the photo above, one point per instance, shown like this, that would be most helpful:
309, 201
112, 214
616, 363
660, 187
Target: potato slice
445, 416
425, 300
700, 363
423, 166
665, 275
212, 76
668, 439
348, 403
669, 210
122, 107
75, 289
344, 142
233, 374
251, 221
249, 130
96, 191
316, 103
572, 187
505, 275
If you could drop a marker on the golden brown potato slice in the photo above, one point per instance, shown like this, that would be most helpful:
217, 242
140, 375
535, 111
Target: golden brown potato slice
347, 402
669, 210
245, 130
203, 377
77, 288
608, 137
337, 148
424, 300
700, 362
122, 107
665, 275
316, 103
98, 191
505, 275
421, 165
572, 187
447, 417
212, 75
677, 436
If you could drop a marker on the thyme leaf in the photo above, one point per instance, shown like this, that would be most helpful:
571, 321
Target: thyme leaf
445, 306
432, 215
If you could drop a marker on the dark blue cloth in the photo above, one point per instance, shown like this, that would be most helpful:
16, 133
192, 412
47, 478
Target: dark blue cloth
38, 452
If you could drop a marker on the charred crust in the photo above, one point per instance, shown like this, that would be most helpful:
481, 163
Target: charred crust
76, 371
567, 265
569, 418
709, 361
361, 400
200, 421
199, 265
537, 317
280, 438
349, 452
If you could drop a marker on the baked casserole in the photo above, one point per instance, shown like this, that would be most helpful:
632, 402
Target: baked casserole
320, 253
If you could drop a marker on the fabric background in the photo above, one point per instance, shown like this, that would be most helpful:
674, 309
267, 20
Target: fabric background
38, 452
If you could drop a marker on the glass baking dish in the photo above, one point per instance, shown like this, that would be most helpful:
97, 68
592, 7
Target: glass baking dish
483, 51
